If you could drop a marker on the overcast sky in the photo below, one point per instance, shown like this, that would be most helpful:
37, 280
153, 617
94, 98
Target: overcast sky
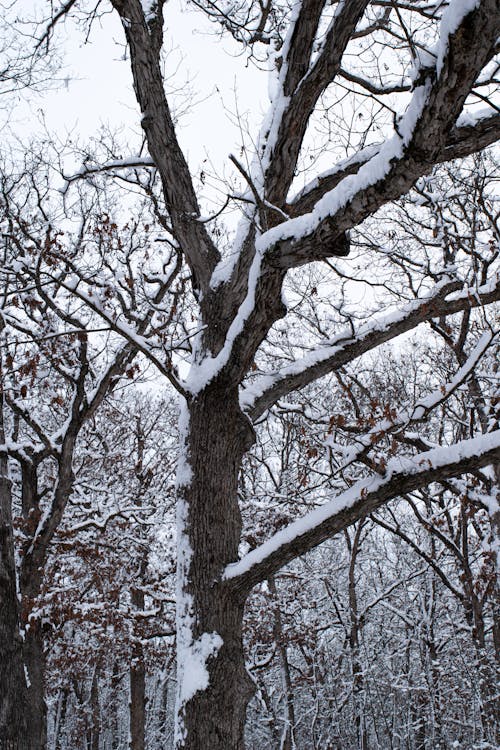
96, 87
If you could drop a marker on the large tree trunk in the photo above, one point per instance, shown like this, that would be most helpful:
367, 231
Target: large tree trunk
30, 582
214, 687
22, 714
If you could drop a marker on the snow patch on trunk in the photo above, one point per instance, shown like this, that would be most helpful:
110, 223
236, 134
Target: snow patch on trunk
192, 653
184, 471
195, 675
201, 374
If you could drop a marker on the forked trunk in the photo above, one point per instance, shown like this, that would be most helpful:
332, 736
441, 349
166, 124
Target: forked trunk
214, 687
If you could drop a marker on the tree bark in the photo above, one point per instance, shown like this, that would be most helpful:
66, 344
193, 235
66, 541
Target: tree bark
34, 660
61, 718
114, 708
137, 685
22, 718
94, 731
22, 705
288, 734
214, 687
354, 643
30, 582
14, 720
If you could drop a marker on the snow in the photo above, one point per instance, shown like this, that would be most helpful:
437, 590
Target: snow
201, 374
224, 268
271, 128
184, 473
184, 612
471, 119
434, 458
148, 6
195, 675
264, 149
424, 405
400, 421
369, 173
360, 157
345, 338
279, 103
192, 653
126, 163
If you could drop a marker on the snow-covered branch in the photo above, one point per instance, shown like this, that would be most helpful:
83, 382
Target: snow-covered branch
445, 299
419, 142
113, 165
402, 476
471, 134
303, 79
400, 421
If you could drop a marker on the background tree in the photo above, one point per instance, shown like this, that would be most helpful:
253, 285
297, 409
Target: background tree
57, 370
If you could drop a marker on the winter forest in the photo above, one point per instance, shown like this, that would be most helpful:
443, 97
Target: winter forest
249, 405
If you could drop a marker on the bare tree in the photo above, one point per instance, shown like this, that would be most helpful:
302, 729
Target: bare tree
53, 380
424, 66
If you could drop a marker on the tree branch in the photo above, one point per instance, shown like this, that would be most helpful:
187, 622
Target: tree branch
330, 358
363, 498
462, 141
417, 145
145, 37
302, 85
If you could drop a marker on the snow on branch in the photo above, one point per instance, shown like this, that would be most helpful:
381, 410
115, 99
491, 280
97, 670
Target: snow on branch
399, 422
472, 132
418, 143
402, 475
138, 341
446, 298
133, 162
452, 17
303, 77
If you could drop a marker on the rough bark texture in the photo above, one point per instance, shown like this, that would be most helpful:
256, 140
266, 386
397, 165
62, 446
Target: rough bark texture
34, 658
13, 690
22, 717
219, 435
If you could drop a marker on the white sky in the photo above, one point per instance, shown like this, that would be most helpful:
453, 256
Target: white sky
97, 87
